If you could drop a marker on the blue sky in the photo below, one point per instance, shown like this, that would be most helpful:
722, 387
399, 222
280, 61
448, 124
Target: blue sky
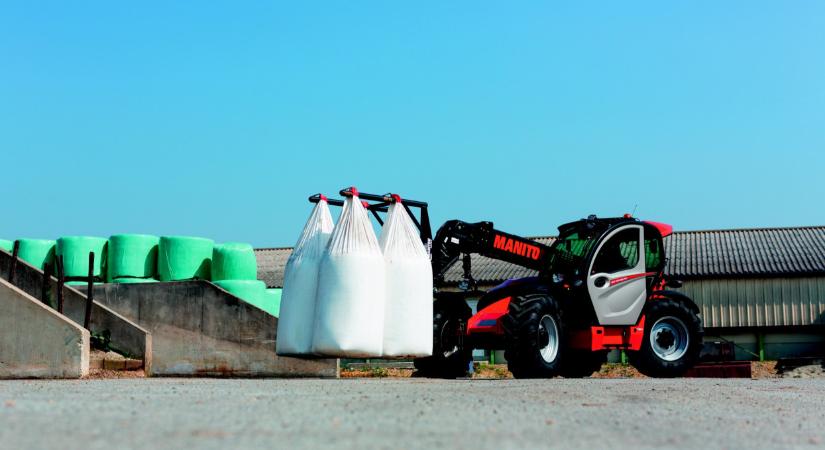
219, 119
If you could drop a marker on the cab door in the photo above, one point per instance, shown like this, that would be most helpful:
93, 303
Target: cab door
616, 278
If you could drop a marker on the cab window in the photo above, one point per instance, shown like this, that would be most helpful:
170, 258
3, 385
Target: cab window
620, 252
654, 255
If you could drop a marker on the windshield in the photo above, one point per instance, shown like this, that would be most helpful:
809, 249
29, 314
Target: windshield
569, 251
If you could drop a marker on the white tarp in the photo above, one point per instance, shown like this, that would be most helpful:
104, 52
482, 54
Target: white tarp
349, 317
408, 313
297, 315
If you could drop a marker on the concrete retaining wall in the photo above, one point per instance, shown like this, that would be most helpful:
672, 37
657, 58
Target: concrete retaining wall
36, 341
199, 329
125, 334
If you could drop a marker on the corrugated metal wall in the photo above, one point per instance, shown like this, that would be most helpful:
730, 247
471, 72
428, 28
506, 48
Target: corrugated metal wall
759, 301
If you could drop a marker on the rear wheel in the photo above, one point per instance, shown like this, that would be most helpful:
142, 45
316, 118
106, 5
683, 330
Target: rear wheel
534, 336
451, 357
672, 340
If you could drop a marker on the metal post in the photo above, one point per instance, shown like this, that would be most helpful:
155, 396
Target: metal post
14, 252
624, 358
760, 342
60, 280
44, 288
89, 291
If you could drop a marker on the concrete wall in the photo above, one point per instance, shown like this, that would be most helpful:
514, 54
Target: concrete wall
36, 341
126, 335
199, 329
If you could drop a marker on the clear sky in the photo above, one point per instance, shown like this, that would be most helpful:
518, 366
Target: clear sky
219, 119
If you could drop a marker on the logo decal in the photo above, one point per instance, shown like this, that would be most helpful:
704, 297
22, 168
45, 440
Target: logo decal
516, 247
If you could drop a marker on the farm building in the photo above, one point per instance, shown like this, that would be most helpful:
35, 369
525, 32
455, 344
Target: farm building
763, 289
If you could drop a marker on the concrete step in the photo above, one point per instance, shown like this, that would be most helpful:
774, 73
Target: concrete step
199, 329
124, 334
38, 342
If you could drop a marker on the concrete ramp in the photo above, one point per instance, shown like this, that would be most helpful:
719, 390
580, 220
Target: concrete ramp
126, 335
199, 329
36, 341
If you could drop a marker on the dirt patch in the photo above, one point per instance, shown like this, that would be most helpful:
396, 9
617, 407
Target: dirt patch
376, 372
759, 370
105, 374
763, 369
808, 371
616, 370
485, 372
491, 371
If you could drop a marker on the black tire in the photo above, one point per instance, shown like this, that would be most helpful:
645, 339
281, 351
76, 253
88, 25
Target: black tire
669, 311
451, 356
525, 336
582, 363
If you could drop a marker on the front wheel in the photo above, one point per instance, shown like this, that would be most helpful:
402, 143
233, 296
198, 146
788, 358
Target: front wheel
451, 355
672, 340
534, 336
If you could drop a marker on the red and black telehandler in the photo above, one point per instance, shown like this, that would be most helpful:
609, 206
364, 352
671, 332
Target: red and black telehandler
598, 287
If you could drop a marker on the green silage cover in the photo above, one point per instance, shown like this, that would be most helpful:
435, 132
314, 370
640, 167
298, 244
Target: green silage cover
132, 255
7, 245
37, 252
75, 251
250, 291
234, 261
134, 280
80, 284
272, 301
184, 258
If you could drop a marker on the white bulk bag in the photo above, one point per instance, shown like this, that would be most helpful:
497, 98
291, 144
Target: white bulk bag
408, 313
349, 317
297, 315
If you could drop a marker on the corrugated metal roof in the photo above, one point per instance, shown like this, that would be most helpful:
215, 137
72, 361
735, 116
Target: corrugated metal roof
755, 252
271, 264
488, 271
747, 252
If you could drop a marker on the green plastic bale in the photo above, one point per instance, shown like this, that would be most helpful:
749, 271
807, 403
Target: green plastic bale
76, 284
75, 252
37, 252
234, 261
6, 245
250, 291
272, 301
133, 256
184, 258
134, 280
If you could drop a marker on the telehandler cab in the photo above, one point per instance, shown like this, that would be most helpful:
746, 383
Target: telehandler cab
599, 286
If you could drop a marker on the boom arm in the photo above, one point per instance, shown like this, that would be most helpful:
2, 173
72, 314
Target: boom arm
456, 237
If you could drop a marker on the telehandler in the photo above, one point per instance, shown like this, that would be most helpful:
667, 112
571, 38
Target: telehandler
598, 287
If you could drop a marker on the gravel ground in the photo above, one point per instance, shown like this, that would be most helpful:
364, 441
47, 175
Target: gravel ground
412, 413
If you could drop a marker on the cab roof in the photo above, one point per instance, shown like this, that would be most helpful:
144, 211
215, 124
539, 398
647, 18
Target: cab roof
600, 224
